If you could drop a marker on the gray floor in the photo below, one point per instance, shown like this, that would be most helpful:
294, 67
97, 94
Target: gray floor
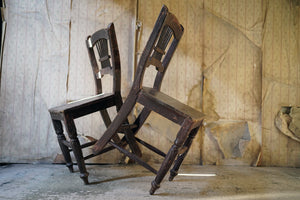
40, 181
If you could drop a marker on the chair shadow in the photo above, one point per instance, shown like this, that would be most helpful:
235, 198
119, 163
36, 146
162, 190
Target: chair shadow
118, 178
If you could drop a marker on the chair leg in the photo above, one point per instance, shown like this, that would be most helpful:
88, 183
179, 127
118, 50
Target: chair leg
61, 137
128, 134
180, 158
107, 122
70, 126
170, 157
132, 143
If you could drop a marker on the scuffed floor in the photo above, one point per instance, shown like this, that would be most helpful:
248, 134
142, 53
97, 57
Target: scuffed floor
45, 181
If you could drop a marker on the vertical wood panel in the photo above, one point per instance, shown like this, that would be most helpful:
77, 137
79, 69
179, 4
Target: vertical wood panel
280, 80
35, 57
233, 65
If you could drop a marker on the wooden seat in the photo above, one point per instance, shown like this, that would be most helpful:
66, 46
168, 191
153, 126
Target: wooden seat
84, 106
105, 43
158, 52
160, 102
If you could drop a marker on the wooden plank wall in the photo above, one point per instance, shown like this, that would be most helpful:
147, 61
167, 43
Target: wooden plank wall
247, 51
250, 62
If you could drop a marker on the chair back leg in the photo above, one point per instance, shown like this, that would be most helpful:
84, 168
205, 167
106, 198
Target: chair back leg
132, 142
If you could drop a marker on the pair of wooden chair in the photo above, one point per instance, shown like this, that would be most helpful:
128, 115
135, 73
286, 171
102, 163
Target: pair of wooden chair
158, 52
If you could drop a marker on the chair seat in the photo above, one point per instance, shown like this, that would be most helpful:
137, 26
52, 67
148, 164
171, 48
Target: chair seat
167, 106
84, 106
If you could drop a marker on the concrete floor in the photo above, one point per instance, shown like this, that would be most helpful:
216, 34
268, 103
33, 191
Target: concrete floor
45, 181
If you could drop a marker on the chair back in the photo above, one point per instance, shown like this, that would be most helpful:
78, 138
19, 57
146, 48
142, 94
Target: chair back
160, 48
107, 57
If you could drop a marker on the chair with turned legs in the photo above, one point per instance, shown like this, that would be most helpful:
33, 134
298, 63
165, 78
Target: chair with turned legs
158, 52
104, 42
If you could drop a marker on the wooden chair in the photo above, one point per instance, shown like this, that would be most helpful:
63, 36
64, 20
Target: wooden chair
158, 52
105, 42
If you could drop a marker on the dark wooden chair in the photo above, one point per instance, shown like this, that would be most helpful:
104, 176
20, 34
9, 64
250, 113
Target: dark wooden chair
158, 52
105, 42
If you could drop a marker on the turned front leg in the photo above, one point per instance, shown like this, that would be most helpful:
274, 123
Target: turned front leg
170, 157
70, 126
61, 138
187, 144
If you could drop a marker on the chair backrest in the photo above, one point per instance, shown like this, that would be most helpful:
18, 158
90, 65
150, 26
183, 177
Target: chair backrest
160, 48
105, 43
